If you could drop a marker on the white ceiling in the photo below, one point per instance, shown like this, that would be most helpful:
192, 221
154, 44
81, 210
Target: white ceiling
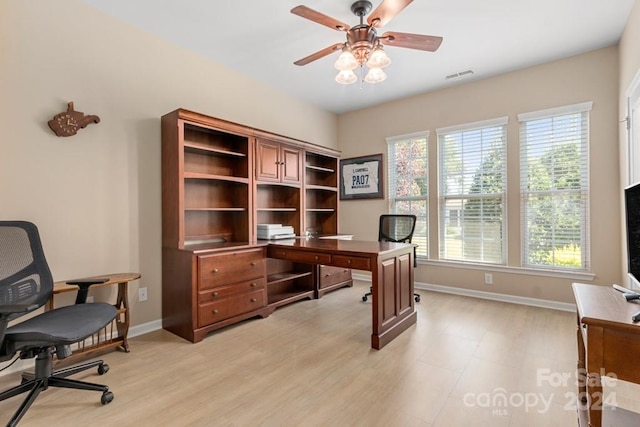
262, 39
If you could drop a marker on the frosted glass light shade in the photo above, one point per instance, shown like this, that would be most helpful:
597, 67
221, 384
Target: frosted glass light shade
346, 61
346, 77
378, 58
375, 75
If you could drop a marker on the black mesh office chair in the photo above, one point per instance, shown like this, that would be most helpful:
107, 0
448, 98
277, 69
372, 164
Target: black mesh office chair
26, 285
396, 228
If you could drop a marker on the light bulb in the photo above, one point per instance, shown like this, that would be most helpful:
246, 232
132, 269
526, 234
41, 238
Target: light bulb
346, 60
346, 77
378, 58
375, 75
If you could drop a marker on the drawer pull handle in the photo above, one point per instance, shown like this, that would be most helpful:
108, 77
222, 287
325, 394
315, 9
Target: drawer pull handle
253, 300
215, 311
348, 261
253, 264
215, 270
316, 257
284, 253
327, 275
215, 294
253, 285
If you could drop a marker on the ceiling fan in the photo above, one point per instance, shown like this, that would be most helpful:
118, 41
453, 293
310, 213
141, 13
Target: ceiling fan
363, 45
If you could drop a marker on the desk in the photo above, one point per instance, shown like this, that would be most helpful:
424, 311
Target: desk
122, 320
391, 267
608, 342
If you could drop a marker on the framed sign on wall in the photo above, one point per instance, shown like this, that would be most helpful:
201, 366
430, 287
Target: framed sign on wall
361, 178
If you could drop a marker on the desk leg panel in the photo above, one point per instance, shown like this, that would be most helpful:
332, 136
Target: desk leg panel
393, 309
595, 365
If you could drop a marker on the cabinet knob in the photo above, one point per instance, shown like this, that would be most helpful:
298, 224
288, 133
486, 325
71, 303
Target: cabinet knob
253, 285
215, 311
284, 253
215, 270
316, 257
253, 300
348, 261
327, 275
253, 264
215, 294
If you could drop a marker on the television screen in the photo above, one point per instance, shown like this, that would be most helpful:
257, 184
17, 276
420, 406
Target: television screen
632, 212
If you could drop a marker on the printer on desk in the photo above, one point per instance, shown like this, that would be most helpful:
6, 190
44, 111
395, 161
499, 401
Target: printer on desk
275, 231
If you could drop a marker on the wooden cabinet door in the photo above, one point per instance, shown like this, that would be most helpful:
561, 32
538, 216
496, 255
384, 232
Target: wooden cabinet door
268, 161
291, 164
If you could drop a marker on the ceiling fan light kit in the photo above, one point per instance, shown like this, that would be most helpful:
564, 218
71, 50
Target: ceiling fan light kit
363, 46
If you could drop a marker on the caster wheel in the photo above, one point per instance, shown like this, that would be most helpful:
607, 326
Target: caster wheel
417, 298
107, 397
103, 369
364, 298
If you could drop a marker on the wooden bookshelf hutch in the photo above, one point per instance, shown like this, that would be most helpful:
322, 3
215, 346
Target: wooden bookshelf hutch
219, 180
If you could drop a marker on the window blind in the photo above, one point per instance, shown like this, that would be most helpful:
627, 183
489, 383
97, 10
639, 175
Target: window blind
554, 187
472, 188
408, 183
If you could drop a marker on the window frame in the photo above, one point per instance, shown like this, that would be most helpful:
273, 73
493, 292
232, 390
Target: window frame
442, 133
422, 251
584, 192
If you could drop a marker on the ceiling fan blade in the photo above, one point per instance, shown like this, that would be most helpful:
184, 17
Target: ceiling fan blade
319, 54
320, 18
411, 41
386, 11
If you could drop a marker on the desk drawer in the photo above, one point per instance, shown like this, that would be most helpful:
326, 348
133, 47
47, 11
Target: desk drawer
216, 294
359, 263
228, 307
333, 275
230, 267
299, 256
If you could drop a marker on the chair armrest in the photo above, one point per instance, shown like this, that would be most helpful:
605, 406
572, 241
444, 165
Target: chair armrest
83, 287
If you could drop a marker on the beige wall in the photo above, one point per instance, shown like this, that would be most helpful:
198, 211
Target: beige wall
96, 196
629, 67
588, 77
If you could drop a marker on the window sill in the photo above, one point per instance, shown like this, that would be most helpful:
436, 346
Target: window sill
575, 275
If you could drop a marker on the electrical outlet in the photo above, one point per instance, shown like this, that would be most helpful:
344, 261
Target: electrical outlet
142, 294
488, 279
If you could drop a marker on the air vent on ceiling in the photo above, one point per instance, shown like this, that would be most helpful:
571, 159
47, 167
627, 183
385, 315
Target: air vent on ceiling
460, 74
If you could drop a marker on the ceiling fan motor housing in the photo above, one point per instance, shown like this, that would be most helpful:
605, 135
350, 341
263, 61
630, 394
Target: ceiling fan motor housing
361, 39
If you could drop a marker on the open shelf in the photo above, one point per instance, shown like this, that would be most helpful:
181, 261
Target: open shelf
319, 169
208, 176
321, 187
288, 298
284, 276
194, 147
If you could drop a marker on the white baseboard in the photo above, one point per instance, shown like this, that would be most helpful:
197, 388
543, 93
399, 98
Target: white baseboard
145, 328
514, 299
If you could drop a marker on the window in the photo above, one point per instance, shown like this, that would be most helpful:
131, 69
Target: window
408, 184
472, 188
554, 187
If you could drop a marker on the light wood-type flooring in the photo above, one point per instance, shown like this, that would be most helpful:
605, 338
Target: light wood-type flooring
467, 362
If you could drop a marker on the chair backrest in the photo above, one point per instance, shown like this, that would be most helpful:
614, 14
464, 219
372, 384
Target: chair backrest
396, 228
25, 278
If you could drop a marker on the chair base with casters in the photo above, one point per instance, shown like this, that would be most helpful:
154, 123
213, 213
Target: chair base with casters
366, 296
44, 376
